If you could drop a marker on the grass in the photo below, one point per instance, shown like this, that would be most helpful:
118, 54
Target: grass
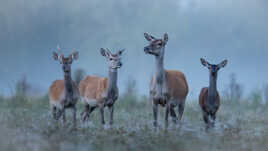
26, 125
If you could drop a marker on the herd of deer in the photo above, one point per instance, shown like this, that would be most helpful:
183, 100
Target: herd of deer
168, 88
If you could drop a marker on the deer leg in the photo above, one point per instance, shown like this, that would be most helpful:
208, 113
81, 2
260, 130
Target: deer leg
63, 115
167, 114
102, 113
213, 117
111, 109
205, 118
155, 111
181, 110
74, 116
54, 112
173, 115
84, 115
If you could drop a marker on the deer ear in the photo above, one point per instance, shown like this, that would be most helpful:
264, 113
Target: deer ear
223, 64
204, 62
75, 55
165, 37
104, 52
148, 37
55, 56
120, 52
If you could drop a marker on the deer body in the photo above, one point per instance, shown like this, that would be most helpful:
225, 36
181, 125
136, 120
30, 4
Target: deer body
168, 88
97, 90
64, 94
101, 92
209, 99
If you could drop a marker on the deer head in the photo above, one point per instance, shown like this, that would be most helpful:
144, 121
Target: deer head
113, 59
66, 62
213, 68
155, 46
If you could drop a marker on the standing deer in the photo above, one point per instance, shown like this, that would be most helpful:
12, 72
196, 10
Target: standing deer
101, 92
64, 93
209, 99
168, 88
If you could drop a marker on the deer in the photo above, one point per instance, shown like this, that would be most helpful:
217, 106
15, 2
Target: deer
64, 94
209, 99
168, 88
101, 92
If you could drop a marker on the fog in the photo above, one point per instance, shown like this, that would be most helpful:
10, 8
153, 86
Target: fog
216, 30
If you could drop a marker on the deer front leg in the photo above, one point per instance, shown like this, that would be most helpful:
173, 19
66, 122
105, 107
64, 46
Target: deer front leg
167, 114
205, 118
155, 112
111, 109
102, 113
213, 117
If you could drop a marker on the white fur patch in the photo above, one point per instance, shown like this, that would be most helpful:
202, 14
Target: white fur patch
91, 102
56, 104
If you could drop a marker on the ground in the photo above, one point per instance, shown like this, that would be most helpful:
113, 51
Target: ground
26, 125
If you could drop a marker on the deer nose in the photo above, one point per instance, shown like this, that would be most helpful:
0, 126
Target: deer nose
146, 49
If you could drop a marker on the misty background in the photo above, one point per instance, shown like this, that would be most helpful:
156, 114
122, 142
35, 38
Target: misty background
216, 30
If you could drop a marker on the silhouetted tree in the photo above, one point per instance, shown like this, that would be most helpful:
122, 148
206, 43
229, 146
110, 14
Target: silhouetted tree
234, 90
22, 87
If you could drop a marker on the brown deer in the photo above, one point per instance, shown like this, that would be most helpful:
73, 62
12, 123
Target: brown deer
64, 94
209, 99
168, 88
99, 91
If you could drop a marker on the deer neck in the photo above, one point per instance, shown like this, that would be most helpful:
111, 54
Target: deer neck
68, 85
212, 89
112, 80
159, 68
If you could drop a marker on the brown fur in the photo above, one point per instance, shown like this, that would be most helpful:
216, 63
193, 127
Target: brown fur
56, 90
176, 84
92, 87
203, 97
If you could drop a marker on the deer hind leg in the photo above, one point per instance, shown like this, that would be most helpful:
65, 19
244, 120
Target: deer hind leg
63, 115
181, 109
54, 112
85, 115
102, 113
167, 114
173, 114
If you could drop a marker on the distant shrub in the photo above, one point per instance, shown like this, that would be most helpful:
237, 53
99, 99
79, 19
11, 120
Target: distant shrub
256, 97
265, 92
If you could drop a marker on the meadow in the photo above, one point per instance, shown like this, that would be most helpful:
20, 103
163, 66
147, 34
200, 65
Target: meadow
26, 125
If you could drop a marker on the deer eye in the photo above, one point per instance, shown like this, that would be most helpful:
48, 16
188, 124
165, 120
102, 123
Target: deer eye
111, 59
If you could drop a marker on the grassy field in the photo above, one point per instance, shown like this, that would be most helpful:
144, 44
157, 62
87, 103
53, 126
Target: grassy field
26, 125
